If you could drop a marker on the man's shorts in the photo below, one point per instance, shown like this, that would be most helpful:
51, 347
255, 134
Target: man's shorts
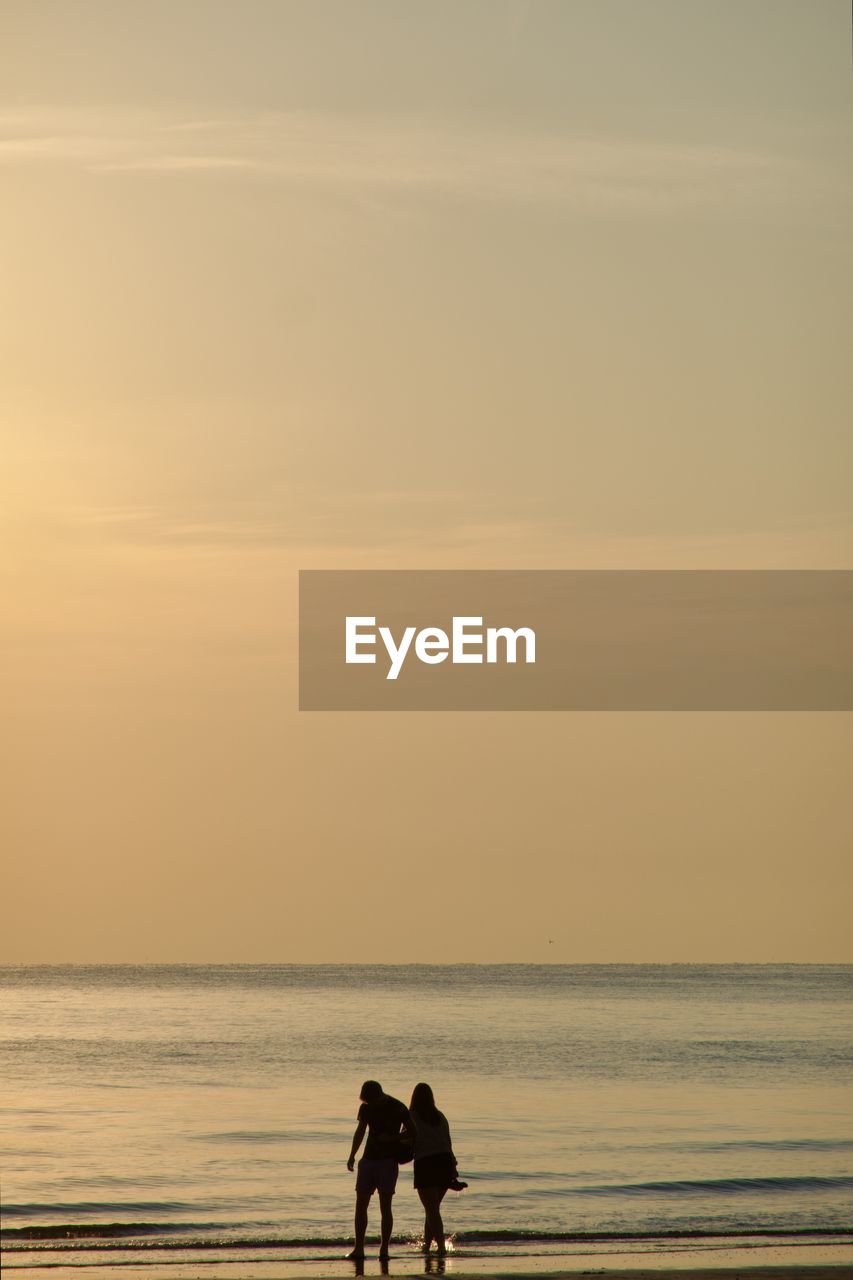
377, 1175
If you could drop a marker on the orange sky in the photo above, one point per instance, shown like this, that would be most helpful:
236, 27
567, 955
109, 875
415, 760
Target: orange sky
456, 285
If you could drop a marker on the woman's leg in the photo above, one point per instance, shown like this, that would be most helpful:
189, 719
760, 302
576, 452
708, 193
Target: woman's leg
441, 1193
431, 1198
427, 1226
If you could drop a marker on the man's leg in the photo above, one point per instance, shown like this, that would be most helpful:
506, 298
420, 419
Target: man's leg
362, 1200
386, 1202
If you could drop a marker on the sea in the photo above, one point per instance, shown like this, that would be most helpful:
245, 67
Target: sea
196, 1119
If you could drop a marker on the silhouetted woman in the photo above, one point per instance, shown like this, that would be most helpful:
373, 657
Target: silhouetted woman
435, 1163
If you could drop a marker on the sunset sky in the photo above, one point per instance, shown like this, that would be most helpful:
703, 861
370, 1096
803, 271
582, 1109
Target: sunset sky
455, 284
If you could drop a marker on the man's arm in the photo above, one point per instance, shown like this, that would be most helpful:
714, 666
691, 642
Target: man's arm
357, 1139
407, 1131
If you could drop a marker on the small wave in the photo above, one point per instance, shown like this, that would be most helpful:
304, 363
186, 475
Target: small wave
102, 1230
137, 1235
716, 1186
88, 1207
126, 1237
729, 1146
264, 1136
774, 1144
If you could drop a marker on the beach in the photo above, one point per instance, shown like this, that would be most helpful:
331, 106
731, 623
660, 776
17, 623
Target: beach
825, 1262
195, 1120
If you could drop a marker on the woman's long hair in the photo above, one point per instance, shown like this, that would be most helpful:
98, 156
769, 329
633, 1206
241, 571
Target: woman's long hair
423, 1105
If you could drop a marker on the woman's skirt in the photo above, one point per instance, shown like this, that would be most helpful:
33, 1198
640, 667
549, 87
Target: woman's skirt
435, 1171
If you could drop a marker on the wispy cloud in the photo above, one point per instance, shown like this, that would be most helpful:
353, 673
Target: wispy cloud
415, 155
429, 528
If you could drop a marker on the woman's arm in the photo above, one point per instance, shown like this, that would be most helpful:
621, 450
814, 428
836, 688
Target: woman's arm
449, 1140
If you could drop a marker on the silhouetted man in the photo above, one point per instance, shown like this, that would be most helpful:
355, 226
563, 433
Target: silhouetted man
382, 1118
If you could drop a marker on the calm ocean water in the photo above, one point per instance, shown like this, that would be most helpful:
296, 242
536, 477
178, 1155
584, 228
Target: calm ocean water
189, 1105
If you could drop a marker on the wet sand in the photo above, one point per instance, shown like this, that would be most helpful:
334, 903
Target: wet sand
552, 1268
713, 1258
